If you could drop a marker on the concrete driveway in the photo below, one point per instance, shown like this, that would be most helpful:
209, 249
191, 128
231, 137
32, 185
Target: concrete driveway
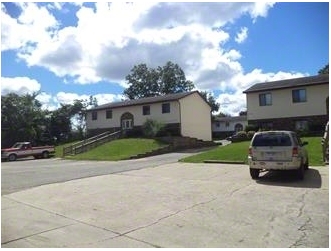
172, 205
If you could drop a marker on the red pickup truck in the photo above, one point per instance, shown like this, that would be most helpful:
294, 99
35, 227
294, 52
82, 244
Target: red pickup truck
25, 149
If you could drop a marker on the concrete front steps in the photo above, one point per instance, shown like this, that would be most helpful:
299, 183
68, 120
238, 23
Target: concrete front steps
176, 144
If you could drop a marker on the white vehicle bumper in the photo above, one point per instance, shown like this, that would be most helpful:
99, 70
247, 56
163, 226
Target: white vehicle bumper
275, 165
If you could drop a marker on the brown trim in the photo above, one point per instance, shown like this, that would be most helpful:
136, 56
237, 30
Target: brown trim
289, 123
289, 83
144, 101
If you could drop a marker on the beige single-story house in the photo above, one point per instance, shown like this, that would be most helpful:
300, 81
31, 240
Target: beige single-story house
185, 114
223, 127
292, 104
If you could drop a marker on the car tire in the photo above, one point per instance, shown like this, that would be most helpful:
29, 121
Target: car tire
254, 173
12, 157
301, 172
45, 155
307, 164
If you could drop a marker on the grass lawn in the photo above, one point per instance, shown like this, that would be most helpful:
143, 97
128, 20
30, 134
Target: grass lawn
238, 152
119, 149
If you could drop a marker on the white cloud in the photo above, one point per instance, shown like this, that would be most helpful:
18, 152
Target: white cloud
19, 85
110, 39
34, 26
47, 101
260, 9
69, 98
232, 104
108, 98
139, 32
242, 35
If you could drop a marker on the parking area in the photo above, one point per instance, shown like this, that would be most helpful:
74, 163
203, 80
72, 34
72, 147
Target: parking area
173, 205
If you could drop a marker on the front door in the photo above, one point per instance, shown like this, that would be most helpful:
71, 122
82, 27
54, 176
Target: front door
127, 121
126, 124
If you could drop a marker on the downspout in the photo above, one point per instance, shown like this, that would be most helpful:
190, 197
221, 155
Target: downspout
180, 118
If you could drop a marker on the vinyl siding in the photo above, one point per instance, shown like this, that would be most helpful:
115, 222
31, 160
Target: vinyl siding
138, 117
283, 107
195, 117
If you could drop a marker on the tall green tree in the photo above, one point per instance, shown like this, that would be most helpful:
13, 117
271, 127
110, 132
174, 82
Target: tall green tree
60, 125
79, 110
22, 118
211, 100
70, 119
148, 82
172, 79
143, 82
324, 70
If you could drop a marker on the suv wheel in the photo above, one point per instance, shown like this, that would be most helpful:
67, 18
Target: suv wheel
301, 172
254, 173
307, 164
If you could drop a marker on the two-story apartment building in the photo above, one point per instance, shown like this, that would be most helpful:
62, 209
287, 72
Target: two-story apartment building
223, 127
185, 114
292, 104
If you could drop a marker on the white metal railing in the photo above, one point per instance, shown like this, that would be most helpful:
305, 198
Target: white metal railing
90, 143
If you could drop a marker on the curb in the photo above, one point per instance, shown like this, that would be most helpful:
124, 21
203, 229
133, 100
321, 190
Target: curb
223, 162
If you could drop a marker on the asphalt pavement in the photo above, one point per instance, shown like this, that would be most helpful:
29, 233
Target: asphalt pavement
172, 205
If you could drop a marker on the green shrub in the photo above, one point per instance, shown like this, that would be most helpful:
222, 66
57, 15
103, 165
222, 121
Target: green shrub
240, 136
250, 134
152, 127
251, 127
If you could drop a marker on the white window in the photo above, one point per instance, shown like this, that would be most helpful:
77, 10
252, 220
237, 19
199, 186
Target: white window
265, 99
299, 96
301, 125
127, 124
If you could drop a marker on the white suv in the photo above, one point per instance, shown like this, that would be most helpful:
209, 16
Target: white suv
277, 150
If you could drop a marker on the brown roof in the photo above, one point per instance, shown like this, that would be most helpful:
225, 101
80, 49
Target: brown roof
289, 83
236, 118
143, 101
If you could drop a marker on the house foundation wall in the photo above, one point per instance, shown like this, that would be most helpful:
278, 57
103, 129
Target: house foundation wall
314, 124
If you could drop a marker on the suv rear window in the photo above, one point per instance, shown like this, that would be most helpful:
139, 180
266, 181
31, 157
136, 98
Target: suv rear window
274, 139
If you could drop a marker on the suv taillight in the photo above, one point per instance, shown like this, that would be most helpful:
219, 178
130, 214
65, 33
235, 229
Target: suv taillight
250, 151
295, 152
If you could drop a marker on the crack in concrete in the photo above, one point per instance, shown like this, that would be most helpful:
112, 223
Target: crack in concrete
302, 198
129, 237
41, 232
61, 215
118, 234
304, 227
303, 236
170, 215
238, 189
154, 223
267, 235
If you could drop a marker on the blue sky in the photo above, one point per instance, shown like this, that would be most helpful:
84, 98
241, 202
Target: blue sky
70, 51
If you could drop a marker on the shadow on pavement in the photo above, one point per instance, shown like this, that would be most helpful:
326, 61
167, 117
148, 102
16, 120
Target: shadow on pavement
312, 179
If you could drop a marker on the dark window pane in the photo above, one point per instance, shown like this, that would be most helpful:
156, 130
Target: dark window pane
109, 114
146, 110
166, 108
